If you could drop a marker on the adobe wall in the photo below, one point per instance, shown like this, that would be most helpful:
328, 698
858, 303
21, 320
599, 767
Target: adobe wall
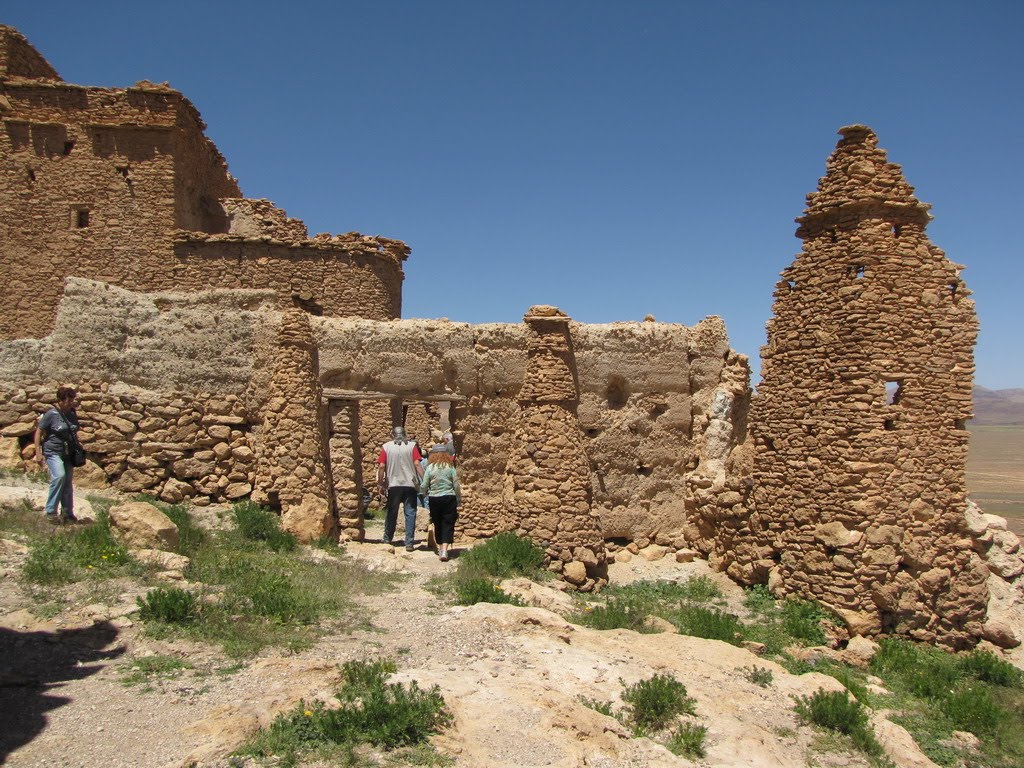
861, 494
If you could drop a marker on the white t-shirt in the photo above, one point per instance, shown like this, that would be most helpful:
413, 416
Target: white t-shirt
400, 462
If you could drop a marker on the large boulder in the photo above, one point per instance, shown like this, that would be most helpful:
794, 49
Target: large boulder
308, 520
141, 525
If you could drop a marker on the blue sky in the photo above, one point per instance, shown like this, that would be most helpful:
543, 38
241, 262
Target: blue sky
614, 159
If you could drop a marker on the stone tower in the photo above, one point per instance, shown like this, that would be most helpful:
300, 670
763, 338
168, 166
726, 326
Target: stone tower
859, 421
547, 480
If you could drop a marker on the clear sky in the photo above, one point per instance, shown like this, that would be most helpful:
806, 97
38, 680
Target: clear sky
615, 159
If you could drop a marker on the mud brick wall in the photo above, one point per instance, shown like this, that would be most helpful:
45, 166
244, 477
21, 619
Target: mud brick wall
859, 480
547, 478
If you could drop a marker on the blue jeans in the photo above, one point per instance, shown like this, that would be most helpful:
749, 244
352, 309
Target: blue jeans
406, 496
61, 472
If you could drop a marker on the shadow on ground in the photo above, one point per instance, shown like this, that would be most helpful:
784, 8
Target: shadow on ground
35, 665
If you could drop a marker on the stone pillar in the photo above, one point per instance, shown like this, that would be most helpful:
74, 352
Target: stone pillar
860, 443
346, 467
376, 418
291, 464
547, 479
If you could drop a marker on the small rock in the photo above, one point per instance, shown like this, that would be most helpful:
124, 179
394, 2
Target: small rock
623, 556
1000, 634
965, 740
575, 572
759, 649
685, 556
653, 552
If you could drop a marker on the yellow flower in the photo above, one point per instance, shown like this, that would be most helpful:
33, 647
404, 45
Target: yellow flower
103, 556
88, 566
308, 713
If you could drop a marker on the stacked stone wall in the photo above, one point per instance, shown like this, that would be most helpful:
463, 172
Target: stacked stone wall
859, 481
186, 446
292, 457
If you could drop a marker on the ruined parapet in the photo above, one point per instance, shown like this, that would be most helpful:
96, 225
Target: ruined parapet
290, 470
260, 218
18, 59
859, 480
547, 478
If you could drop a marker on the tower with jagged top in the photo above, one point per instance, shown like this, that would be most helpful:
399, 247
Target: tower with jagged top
859, 421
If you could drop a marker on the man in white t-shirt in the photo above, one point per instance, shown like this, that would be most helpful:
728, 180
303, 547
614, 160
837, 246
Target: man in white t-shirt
398, 474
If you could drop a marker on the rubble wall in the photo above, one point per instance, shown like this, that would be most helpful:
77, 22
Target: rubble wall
19, 59
860, 444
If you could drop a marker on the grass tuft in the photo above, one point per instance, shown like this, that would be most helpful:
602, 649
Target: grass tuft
504, 555
687, 740
171, 606
475, 590
836, 711
256, 523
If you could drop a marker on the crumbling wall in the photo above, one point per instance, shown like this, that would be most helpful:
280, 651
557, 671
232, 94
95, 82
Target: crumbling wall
547, 477
645, 403
123, 186
19, 59
859, 479
291, 472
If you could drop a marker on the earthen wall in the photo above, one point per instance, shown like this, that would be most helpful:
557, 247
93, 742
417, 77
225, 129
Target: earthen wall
19, 59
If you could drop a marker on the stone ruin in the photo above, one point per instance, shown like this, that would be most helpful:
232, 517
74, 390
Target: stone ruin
222, 354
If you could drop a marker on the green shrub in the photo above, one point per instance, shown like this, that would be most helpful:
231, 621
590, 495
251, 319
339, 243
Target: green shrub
615, 614
145, 669
171, 606
370, 710
708, 623
761, 676
854, 684
687, 740
920, 670
504, 555
481, 590
49, 562
989, 668
652, 704
836, 711
258, 524
801, 619
971, 708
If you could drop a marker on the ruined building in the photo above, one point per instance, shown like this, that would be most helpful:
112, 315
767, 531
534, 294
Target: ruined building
859, 423
222, 354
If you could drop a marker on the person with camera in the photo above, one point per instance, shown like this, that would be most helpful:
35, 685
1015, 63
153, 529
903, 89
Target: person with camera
56, 443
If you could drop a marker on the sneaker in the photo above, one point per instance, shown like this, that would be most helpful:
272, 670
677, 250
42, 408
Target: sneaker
52, 519
389, 542
444, 558
71, 519
409, 547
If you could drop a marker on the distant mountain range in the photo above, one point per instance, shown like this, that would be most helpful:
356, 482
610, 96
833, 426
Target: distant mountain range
998, 406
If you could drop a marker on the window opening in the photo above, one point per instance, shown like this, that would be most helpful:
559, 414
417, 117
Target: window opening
893, 391
889, 425
833, 236
857, 271
68, 146
897, 230
952, 288
31, 174
80, 217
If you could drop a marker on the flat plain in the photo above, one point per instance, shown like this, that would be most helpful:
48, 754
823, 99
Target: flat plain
995, 472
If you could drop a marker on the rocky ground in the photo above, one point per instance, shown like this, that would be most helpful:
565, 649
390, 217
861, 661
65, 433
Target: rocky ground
512, 677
